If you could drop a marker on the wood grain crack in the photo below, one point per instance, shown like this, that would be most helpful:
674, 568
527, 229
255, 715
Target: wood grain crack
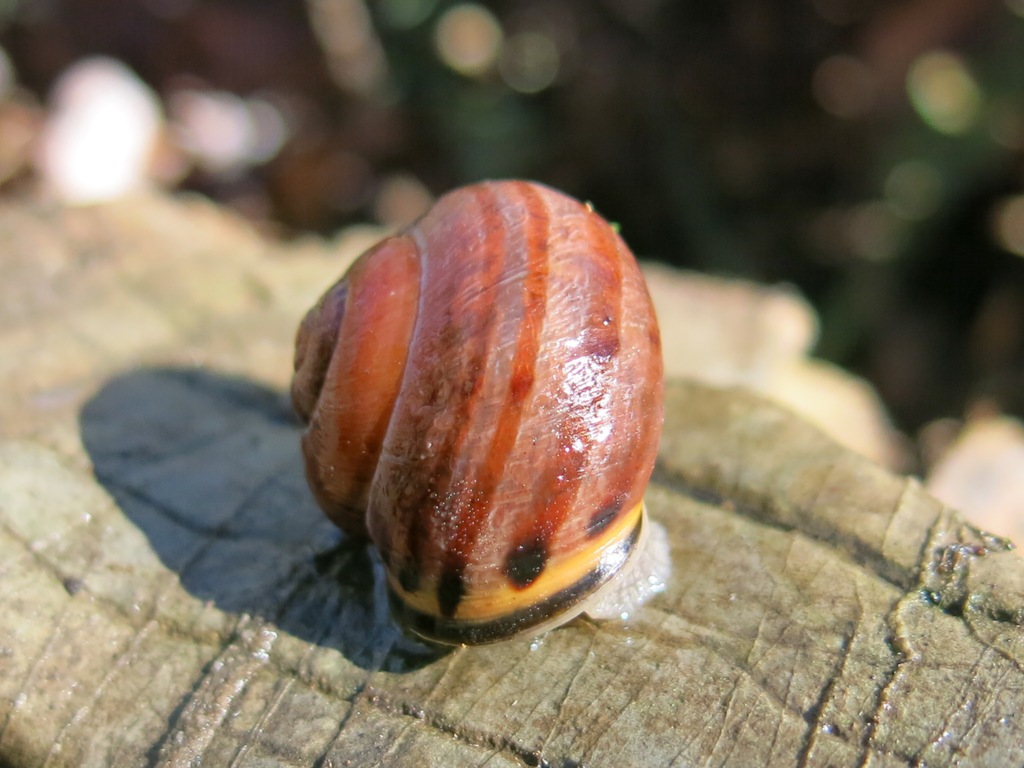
212, 699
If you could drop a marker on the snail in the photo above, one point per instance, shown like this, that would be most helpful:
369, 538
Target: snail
483, 399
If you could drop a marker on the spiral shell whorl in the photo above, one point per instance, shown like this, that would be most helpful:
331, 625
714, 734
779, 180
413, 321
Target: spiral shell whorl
526, 411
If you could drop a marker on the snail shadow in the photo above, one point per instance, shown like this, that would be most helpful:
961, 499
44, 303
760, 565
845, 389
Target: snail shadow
208, 467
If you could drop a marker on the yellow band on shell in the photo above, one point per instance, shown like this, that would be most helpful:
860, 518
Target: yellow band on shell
559, 574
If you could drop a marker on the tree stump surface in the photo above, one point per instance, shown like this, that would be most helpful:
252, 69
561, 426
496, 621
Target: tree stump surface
171, 595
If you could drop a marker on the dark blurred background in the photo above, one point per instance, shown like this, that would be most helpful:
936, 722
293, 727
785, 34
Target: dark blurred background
870, 153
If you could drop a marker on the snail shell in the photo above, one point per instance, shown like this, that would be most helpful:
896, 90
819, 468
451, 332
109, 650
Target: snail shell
483, 393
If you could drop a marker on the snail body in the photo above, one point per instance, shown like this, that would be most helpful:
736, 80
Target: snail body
483, 394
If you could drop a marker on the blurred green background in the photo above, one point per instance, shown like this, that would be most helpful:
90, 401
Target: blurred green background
870, 153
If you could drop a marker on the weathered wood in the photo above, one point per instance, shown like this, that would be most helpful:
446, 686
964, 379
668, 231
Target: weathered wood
171, 596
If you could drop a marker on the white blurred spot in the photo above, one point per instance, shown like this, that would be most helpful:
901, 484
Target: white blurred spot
270, 130
224, 132
844, 86
913, 189
529, 62
1008, 224
944, 93
982, 475
468, 38
101, 134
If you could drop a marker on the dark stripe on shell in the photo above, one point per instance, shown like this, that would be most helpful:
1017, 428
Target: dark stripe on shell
525, 563
409, 578
601, 519
450, 591
477, 500
471, 337
524, 361
559, 486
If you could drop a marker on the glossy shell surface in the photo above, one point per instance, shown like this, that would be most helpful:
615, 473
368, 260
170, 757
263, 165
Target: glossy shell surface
483, 394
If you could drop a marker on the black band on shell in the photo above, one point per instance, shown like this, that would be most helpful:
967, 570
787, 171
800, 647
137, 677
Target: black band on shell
453, 631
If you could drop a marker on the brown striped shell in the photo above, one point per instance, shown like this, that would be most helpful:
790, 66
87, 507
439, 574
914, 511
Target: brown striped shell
483, 393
